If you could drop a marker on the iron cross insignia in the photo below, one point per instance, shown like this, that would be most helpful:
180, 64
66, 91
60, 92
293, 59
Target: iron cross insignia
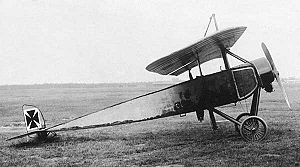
32, 119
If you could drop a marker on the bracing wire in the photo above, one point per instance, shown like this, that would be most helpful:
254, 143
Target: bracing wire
246, 108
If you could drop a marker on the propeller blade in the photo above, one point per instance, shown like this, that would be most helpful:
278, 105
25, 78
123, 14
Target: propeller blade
283, 90
268, 56
276, 73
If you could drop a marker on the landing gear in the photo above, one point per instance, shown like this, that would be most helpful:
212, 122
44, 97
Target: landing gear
241, 118
253, 128
249, 125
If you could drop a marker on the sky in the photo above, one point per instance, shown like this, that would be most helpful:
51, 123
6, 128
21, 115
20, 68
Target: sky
92, 41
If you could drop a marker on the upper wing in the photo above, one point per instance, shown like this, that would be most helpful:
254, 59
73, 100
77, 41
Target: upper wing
207, 49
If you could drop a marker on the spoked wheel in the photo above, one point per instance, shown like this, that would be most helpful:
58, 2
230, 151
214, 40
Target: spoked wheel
241, 118
253, 128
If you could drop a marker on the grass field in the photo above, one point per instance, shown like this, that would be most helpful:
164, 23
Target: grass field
172, 141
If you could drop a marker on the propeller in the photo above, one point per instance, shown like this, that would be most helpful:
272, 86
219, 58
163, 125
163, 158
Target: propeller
275, 72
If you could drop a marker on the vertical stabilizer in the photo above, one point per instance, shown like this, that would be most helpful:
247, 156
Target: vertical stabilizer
34, 119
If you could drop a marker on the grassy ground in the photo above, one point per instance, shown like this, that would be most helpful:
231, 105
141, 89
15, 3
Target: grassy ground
170, 141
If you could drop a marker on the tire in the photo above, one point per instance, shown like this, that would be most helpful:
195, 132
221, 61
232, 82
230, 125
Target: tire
253, 129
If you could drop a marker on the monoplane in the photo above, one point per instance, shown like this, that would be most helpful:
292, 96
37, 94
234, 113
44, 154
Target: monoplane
204, 92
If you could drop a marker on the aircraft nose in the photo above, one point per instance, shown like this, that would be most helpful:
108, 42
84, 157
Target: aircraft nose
264, 70
262, 65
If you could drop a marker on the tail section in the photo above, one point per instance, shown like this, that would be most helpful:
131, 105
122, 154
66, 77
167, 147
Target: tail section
35, 124
34, 119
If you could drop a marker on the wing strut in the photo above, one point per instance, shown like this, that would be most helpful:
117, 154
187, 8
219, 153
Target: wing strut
225, 59
222, 48
198, 60
194, 51
216, 25
215, 21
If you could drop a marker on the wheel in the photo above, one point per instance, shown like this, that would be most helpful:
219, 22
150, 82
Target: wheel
238, 118
253, 128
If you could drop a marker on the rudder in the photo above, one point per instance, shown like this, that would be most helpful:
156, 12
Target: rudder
34, 119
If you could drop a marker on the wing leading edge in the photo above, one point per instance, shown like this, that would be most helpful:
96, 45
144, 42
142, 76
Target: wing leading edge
206, 49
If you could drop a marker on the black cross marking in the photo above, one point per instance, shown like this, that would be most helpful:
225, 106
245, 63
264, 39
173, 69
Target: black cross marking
32, 120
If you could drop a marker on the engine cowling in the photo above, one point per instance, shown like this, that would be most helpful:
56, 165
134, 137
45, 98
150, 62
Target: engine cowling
264, 69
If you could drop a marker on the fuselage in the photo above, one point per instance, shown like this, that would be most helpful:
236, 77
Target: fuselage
203, 92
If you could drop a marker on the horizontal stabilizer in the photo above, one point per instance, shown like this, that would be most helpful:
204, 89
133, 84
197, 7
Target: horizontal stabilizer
26, 134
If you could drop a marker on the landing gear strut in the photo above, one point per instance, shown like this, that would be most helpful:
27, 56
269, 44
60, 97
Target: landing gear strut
249, 125
241, 118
